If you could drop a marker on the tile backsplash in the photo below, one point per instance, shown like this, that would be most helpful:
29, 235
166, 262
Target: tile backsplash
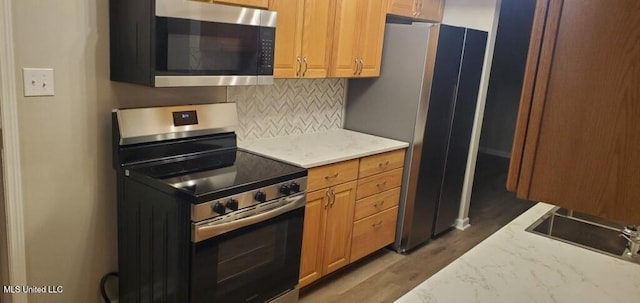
288, 107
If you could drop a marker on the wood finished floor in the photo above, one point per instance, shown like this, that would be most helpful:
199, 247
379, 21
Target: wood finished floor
385, 276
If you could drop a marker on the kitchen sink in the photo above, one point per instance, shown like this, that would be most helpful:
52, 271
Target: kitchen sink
583, 230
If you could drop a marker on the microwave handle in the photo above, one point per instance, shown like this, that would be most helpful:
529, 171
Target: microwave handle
203, 232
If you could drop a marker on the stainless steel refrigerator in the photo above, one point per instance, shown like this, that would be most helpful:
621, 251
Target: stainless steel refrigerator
426, 95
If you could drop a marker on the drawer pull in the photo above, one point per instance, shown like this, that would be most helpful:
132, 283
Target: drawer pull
378, 204
385, 164
376, 225
382, 184
331, 177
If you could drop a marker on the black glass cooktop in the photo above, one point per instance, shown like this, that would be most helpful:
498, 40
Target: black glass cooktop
222, 173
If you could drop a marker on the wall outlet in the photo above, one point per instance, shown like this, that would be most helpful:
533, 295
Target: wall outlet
38, 82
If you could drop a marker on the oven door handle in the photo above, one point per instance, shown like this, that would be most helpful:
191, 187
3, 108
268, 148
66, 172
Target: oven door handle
204, 232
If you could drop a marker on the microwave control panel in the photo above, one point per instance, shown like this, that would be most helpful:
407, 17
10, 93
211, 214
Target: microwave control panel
266, 43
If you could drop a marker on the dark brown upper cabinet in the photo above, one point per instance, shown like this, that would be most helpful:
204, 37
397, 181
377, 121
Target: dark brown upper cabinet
577, 141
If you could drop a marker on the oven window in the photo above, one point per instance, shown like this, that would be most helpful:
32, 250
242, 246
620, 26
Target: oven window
255, 253
208, 48
251, 264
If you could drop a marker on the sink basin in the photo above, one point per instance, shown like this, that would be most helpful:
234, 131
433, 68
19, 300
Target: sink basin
582, 230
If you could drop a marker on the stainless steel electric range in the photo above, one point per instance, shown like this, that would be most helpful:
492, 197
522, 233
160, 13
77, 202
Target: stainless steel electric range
200, 220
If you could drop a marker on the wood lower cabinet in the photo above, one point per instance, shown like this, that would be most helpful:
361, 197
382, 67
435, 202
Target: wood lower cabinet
378, 183
577, 141
336, 226
376, 210
312, 238
326, 238
376, 203
373, 232
427, 10
303, 44
357, 38
337, 223
332, 174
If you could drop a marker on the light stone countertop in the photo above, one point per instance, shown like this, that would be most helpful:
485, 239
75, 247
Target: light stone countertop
316, 149
513, 265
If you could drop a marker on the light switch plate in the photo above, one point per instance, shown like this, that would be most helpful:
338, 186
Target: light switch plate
38, 82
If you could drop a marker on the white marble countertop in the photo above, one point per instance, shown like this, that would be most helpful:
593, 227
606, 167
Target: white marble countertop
513, 265
316, 149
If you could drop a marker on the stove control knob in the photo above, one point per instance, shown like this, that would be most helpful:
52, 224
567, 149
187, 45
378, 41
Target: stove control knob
284, 189
219, 208
260, 197
295, 187
232, 204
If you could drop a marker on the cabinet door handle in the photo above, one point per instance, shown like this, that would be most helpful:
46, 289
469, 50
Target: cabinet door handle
328, 195
385, 164
299, 66
415, 8
333, 198
355, 72
376, 225
420, 8
361, 66
306, 66
331, 176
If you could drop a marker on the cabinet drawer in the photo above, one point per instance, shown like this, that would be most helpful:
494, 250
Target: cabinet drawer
381, 162
376, 203
378, 183
373, 232
332, 174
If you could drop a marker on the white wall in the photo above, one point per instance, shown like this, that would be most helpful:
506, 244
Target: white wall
481, 15
65, 142
476, 14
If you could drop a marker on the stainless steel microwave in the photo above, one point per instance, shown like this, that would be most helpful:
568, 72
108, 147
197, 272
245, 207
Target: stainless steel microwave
177, 43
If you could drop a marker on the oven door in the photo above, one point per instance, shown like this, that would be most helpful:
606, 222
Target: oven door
252, 263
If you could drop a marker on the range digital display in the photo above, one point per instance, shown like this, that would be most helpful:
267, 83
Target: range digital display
185, 118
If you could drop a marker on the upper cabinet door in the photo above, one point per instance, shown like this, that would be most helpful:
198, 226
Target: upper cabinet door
344, 60
357, 39
577, 141
303, 36
317, 31
427, 10
430, 10
406, 8
287, 61
371, 37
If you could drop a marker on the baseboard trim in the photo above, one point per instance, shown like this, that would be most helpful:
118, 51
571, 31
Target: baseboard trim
495, 152
462, 224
